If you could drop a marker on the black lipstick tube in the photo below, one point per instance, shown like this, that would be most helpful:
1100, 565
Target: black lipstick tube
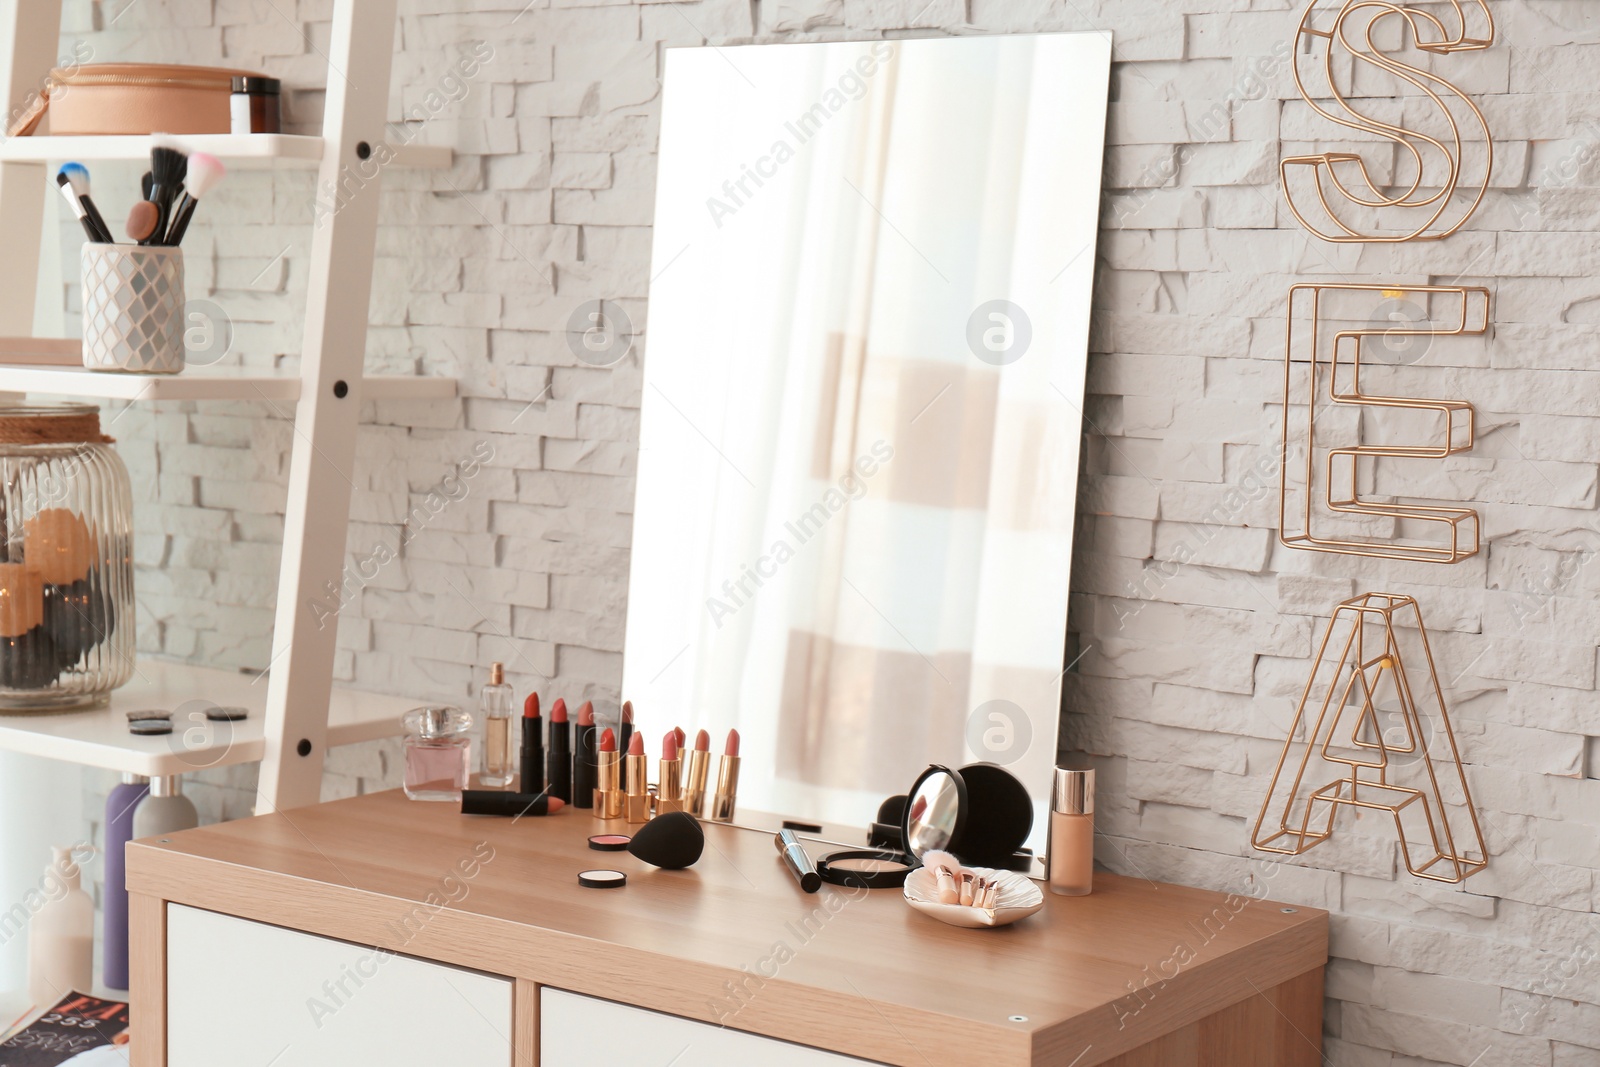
499, 802
532, 769
560, 760
585, 766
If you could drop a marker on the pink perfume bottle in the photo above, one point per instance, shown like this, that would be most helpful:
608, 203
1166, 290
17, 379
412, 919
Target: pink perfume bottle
438, 752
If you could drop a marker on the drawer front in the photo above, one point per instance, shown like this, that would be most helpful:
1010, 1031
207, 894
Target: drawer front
580, 1031
247, 993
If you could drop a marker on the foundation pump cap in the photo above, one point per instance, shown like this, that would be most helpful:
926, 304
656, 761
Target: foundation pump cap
1072, 792
497, 674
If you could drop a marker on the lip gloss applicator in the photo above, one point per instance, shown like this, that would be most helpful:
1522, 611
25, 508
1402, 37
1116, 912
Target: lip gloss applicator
722, 805
532, 752
698, 766
585, 759
636, 782
607, 793
560, 758
669, 788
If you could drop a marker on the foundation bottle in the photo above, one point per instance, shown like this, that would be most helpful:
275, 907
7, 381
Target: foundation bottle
1071, 855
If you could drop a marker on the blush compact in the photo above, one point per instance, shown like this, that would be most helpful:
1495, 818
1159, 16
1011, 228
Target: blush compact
609, 842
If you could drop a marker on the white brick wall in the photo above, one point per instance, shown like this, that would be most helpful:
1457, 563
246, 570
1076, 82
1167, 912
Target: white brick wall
1190, 669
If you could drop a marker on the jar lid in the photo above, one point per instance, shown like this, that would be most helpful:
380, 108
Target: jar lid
437, 720
256, 85
34, 423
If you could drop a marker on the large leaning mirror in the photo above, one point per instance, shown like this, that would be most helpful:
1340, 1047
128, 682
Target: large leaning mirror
863, 383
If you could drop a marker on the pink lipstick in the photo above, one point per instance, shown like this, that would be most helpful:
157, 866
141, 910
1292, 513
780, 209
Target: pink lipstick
607, 792
669, 787
636, 782
727, 795
699, 767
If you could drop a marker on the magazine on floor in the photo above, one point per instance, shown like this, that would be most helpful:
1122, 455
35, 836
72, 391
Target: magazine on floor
79, 1030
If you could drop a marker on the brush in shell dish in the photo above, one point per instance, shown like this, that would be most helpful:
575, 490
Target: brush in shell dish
971, 897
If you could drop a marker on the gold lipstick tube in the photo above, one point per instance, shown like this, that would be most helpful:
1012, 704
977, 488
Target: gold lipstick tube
722, 804
669, 791
607, 792
694, 793
636, 788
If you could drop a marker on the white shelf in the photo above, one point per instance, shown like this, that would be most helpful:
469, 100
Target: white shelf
232, 148
206, 383
99, 737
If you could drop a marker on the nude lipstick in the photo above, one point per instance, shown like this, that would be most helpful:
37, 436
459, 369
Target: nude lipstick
669, 787
607, 802
722, 804
584, 759
681, 741
560, 759
699, 765
636, 782
532, 752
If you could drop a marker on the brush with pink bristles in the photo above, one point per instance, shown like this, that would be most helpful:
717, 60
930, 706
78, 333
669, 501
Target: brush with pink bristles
205, 171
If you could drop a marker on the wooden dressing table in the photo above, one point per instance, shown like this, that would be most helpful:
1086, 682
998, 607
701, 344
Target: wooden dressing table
252, 944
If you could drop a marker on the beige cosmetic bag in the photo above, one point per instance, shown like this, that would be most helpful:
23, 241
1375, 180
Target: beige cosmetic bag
132, 98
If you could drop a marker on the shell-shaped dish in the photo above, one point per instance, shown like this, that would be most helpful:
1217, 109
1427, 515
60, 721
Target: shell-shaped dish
1020, 897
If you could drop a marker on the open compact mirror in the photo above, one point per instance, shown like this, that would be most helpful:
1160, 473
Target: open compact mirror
981, 814
861, 413
936, 808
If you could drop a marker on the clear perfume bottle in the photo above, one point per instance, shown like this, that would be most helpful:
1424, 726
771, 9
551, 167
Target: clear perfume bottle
438, 752
495, 702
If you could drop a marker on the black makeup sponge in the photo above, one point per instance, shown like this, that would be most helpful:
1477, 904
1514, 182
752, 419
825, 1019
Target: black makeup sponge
673, 841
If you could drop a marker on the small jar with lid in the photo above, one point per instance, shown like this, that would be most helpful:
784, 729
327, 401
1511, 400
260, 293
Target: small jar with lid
438, 752
256, 105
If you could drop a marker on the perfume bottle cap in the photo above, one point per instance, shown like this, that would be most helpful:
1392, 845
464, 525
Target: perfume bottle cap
1072, 792
497, 674
436, 720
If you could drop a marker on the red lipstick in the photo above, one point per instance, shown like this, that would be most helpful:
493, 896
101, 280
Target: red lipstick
532, 752
559, 759
726, 798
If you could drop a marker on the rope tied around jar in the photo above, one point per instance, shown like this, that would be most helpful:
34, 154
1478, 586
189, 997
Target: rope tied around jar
66, 424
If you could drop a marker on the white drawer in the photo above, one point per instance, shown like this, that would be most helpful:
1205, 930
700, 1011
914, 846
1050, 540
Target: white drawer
579, 1031
241, 992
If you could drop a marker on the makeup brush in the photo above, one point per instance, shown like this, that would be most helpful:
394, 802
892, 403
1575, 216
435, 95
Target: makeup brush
142, 221
203, 174
145, 183
77, 175
77, 209
167, 168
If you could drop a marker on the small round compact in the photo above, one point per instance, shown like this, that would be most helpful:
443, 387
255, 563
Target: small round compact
981, 812
609, 842
866, 868
602, 879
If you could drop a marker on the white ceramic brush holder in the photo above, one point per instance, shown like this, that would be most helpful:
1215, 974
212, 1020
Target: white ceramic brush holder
133, 308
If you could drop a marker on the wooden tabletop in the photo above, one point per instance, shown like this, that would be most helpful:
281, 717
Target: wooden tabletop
733, 940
